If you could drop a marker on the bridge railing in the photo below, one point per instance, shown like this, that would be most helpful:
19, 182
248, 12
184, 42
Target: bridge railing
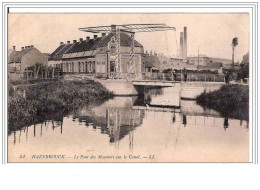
205, 77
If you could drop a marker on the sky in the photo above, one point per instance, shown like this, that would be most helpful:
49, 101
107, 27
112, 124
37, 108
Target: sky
211, 33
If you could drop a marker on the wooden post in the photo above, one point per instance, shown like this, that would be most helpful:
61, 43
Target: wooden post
35, 75
53, 69
46, 72
27, 74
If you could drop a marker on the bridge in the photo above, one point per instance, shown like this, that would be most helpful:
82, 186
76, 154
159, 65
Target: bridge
121, 87
163, 83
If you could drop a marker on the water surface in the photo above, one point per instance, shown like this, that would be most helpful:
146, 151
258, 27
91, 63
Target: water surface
154, 127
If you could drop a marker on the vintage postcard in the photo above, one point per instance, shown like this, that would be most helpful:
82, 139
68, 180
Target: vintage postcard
133, 87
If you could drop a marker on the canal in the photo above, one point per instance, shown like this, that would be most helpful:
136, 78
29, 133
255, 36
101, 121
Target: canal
156, 126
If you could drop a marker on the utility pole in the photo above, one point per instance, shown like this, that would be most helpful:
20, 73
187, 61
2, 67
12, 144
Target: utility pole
198, 57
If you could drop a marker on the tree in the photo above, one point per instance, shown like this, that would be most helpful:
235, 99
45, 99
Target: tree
234, 44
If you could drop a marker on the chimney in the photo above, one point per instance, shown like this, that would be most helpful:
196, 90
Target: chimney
81, 39
88, 38
31, 46
68, 42
95, 37
103, 34
74, 41
185, 43
61, 43
181, 45
22, 48
14, 48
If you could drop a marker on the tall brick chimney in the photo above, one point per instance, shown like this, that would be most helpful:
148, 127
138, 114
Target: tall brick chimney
95, 37
81, 39
185, 43
88, 38
14, 48
61, 43
68, 42
181, 45
74, 41
22, 48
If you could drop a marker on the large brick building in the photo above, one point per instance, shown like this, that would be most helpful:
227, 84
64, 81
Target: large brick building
98, 55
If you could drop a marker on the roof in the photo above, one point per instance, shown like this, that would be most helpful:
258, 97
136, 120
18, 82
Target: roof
58, 53
151, 61
84, 45
17, 56
236, 67
125, 40
214, 64
92, 44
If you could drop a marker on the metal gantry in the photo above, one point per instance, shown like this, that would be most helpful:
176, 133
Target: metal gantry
130, 29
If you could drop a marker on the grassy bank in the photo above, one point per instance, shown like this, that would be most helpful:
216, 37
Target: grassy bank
43, 101
229, 100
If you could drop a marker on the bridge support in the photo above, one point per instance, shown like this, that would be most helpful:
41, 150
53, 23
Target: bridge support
119, 87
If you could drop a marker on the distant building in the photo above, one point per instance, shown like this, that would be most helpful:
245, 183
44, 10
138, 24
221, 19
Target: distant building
214, 67
151, 64
26, 57
245, 59
202, 61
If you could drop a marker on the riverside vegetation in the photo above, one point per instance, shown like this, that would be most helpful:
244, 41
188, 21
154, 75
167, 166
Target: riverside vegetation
42, 101
229, 100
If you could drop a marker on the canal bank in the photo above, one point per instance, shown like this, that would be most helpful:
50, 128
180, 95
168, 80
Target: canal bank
30, 104
229, 100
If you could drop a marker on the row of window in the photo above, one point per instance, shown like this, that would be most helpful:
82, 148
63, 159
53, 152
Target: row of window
82, 67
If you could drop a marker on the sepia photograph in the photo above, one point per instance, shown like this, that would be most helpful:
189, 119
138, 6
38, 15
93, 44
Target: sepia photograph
128, 87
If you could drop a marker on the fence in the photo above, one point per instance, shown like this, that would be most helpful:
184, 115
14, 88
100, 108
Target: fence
48, 73
207, 77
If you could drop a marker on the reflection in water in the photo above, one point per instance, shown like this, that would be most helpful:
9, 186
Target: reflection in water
124, 125
226, 123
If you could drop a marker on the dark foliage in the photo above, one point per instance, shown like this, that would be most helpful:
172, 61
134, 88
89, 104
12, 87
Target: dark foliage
229, 100
45, 99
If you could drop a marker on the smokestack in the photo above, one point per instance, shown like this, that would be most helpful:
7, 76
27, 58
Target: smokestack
88, 38
74, 41
14, 48
81, 39
22, 48
185, 43
61, 43
181, 45
95, 37
68, 42
103, 34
